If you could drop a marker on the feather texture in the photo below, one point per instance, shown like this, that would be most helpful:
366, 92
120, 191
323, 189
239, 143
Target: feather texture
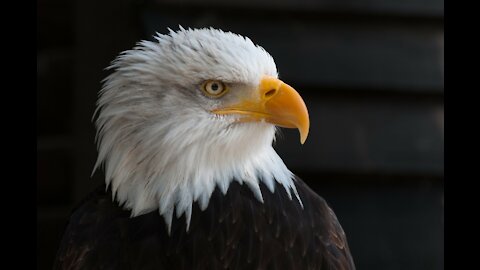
235, 231
188, 189
161, 146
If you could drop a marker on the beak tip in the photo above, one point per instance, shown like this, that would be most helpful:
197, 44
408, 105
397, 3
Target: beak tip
302, 140
303, 136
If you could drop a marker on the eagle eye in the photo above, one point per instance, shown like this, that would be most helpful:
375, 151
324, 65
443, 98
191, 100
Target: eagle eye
214, 88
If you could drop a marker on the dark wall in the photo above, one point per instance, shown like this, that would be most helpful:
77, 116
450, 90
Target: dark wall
371, 73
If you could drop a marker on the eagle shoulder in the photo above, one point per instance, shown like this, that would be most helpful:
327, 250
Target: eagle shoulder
329, 236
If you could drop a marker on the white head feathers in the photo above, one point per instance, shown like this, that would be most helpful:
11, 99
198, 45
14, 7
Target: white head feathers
161, 146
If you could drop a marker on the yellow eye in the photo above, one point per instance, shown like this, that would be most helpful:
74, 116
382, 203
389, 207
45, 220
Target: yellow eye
214, 88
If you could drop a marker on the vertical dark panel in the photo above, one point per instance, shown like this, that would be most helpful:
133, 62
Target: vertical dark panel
103, 30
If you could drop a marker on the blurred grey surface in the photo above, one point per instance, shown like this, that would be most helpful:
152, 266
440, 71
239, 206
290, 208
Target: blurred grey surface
370, 71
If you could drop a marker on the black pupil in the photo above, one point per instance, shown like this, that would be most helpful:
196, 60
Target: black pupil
215, 86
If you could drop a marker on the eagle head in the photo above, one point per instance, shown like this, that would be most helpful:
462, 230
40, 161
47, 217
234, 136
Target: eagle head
193, 110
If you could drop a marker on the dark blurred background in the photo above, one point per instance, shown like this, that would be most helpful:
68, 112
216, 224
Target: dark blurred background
370, 71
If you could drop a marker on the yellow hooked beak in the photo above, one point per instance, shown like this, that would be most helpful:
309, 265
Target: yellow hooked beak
274, 102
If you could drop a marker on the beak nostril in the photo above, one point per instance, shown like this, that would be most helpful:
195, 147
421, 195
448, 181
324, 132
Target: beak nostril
270, 93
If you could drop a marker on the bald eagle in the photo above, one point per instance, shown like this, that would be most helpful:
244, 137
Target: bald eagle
185, 126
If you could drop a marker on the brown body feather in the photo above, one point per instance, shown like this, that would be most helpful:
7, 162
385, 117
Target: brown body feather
236, 231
